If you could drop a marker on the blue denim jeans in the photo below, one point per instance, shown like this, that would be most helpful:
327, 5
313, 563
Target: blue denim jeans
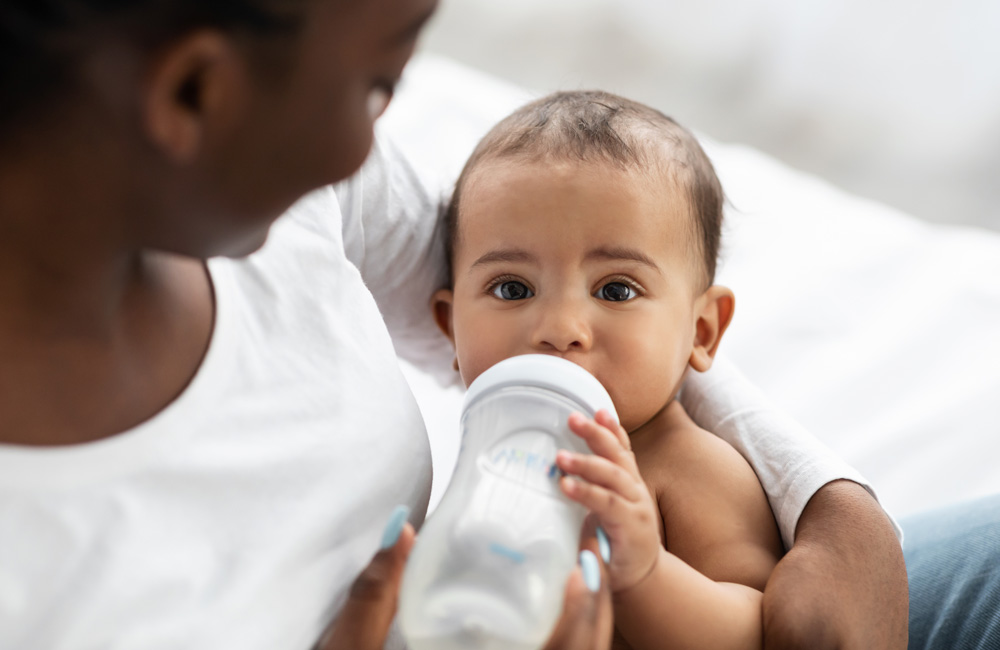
953, 563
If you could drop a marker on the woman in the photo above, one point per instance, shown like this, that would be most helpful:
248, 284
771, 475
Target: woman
204, 454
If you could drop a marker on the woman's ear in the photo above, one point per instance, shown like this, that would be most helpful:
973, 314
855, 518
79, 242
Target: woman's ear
195, 91
441, 304
714, 312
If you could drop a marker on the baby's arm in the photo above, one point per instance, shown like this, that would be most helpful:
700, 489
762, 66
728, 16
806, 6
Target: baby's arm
709, 599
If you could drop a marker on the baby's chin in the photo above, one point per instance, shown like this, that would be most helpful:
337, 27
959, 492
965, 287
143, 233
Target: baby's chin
634, 424
634, 417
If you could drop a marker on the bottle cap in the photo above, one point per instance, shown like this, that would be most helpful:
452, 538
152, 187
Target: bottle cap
543, 371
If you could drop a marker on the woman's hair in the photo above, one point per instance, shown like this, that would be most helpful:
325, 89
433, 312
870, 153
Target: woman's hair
599, 127
42, 41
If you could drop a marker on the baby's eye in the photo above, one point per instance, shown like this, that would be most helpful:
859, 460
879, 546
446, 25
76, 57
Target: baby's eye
616, 292
512, 290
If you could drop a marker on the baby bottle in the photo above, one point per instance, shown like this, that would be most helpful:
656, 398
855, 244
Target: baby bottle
490, 566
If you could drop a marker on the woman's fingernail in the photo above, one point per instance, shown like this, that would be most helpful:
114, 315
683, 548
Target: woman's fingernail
591, 570
604, 545
395, 526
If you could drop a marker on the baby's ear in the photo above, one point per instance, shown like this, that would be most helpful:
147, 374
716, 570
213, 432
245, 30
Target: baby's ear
441, 303
714, 312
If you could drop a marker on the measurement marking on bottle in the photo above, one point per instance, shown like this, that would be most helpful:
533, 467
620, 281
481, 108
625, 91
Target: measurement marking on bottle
509, 553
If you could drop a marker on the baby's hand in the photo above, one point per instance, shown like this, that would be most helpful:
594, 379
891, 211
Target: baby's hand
614, 491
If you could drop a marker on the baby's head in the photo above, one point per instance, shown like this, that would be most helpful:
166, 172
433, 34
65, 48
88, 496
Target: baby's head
587, 226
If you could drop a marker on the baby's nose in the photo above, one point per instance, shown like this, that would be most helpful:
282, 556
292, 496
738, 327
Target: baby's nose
563, 329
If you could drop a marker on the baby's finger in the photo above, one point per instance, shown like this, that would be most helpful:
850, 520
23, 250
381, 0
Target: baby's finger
611, 508
604, 418
601, 440
602, 472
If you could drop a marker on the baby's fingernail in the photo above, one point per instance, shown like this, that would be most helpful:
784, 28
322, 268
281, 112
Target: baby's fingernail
610, 418
591, 570
604, 545
394, 526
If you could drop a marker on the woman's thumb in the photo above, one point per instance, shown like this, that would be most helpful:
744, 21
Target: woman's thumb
363, 621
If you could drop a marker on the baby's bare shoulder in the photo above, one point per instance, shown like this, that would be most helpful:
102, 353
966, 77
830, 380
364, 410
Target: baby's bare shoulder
713, 507
673, 452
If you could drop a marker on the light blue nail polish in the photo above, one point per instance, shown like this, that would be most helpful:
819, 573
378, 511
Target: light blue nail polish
394, 526
604, 545
591, 570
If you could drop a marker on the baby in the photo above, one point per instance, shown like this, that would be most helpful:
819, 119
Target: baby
587, 226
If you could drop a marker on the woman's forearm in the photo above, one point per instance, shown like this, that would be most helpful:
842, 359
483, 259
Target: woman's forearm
678, 607
843, 584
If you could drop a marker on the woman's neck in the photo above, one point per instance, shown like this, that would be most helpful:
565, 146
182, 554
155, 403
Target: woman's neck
62, 256
95, 336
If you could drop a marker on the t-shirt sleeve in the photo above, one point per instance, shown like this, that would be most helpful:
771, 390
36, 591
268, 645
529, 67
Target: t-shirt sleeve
393, 233
791, 464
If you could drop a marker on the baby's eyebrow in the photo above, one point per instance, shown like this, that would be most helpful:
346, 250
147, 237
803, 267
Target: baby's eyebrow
505, 255
622, 253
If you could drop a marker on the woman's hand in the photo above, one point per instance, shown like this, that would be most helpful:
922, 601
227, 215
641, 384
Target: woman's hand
587, 620
614, 491
363, 622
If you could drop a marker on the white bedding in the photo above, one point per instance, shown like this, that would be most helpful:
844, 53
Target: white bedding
877, 331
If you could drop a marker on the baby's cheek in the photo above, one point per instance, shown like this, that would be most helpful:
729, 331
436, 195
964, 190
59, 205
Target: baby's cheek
469, 367
644, 392
476, 356
632, 405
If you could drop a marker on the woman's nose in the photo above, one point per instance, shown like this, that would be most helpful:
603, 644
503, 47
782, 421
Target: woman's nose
562, 327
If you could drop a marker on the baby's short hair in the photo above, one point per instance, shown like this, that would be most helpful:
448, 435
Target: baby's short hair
595, 126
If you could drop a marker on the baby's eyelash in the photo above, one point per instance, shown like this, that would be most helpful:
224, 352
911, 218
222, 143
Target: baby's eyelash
500, 279
626, 280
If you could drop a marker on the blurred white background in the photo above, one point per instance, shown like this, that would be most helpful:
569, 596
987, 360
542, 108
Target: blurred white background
892, 100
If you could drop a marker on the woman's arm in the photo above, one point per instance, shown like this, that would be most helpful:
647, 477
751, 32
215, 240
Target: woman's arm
843, 583
393, 233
